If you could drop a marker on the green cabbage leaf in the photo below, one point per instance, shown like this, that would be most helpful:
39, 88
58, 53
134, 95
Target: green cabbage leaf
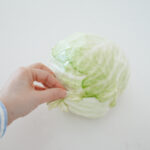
94, 71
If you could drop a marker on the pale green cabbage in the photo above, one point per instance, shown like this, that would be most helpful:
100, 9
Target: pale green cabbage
94, 71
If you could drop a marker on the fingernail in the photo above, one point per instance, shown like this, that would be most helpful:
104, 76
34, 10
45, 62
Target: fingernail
61, 86
54, 75
63, 93
64, 88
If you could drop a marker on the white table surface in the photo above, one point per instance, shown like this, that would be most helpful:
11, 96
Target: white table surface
28, 30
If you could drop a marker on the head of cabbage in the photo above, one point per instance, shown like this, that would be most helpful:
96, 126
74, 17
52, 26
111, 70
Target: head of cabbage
93, 70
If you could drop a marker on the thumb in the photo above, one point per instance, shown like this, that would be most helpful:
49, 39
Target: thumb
50, 94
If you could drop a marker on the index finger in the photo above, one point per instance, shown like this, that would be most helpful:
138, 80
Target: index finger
45, 78
42, 67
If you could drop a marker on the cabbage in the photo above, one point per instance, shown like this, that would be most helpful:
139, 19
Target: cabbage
94, 71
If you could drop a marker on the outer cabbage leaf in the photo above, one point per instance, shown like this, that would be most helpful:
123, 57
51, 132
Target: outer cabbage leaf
93, 70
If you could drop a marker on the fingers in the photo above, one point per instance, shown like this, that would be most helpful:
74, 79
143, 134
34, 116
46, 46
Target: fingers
45, 78
49, 95
42, 67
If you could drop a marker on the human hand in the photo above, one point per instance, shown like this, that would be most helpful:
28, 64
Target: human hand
20, 95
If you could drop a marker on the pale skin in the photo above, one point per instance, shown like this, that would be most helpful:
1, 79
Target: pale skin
20, 96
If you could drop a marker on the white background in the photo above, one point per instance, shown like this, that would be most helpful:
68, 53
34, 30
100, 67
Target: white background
28, 30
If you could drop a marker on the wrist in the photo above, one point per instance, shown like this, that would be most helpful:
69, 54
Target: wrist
9, 113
